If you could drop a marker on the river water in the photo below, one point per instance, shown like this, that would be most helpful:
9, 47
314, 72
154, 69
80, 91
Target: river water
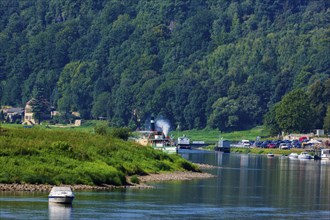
245, 187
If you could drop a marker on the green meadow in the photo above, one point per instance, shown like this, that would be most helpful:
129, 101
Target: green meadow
266, 151
77, 156
212, 135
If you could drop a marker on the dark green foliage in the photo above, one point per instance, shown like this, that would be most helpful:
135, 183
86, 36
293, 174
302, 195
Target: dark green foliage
294, 112
219, 64
135, 179
326, 124
188, 166
271, 122
101, 129
46, 156
300, 110
40, 106
121, 133
2, 116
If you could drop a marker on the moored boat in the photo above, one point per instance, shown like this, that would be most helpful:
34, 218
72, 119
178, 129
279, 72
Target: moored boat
304, 156
184, 142
63, 195
270, 155
161, 142
325, 154
293, 155
222, 146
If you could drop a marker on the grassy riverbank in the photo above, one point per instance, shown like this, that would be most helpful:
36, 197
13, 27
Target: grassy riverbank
275, 151
51, 156
212, 135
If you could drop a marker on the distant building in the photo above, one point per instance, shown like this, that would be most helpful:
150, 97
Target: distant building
13, 115
319, 132
28, 117
76, 114
29, 114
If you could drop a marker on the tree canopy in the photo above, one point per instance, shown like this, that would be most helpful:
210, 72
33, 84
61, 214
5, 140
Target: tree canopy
222, 64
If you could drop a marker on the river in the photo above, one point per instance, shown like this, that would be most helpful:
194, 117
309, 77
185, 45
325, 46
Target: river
245, 187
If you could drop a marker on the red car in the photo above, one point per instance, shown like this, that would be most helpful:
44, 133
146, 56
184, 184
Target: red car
271, 145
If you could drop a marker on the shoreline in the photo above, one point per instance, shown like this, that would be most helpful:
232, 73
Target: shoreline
144, 180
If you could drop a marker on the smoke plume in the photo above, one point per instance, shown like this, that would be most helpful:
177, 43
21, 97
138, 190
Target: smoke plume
164, 125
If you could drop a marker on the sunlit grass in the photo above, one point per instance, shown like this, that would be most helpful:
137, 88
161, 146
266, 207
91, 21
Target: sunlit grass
57, 156
211, 135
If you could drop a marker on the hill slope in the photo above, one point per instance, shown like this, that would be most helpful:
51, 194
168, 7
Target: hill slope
197, 63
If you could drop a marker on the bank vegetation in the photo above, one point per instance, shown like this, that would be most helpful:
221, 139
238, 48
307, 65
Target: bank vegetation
46, 156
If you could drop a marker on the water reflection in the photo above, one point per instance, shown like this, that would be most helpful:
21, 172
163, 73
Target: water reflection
59, 211
245, 187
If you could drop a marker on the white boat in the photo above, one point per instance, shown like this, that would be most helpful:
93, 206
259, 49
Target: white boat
304, 156
270, 155
293, 155
163, 143
184, 142
61, 194
325, 154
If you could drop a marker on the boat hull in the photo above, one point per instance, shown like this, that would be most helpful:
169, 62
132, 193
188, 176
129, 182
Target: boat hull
169, 150
325, 157
293, 156
60, 199
304, 157
325, 154
184, 146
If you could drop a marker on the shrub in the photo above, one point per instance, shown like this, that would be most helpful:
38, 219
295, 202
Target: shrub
135, 179
61, 145
121, 133
101, 129
187, 165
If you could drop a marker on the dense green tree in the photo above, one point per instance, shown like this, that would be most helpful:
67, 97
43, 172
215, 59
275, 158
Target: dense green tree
318, 94
326, 124
270, 121
102, 106
225, 114
40, 106
294, 112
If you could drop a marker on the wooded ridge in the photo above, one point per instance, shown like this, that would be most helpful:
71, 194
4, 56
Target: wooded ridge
198, 63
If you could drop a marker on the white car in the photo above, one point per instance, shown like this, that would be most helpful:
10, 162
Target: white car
246, 143
284, 146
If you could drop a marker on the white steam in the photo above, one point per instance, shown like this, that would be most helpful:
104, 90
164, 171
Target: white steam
164, 125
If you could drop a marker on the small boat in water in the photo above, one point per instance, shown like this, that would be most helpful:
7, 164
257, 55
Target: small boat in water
63, 195
270, 155
304, 156
325, 154
293, 156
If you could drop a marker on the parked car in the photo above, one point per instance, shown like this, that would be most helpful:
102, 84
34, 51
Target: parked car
264, 144
296, 144
284, 146
258, 143
271, 145
246, 143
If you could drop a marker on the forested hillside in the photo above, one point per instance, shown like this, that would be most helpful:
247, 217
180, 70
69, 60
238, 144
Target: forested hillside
198, 63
